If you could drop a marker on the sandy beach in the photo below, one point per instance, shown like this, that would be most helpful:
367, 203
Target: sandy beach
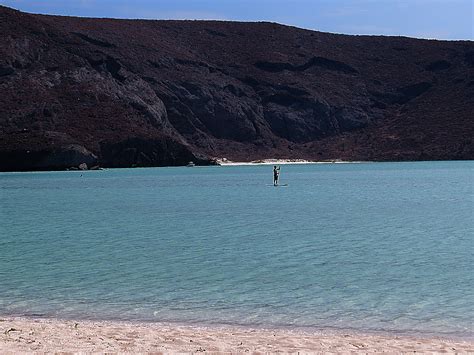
52, 335
272, 161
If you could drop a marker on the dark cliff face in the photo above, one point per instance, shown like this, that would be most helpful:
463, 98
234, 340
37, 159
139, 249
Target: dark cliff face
150, 93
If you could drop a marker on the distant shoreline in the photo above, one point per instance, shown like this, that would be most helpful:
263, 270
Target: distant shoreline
226, 162
19, 334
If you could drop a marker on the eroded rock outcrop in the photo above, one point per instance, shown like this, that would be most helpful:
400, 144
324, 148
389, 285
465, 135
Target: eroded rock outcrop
59, 158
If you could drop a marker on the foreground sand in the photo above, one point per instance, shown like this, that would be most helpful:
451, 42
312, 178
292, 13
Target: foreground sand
50, 335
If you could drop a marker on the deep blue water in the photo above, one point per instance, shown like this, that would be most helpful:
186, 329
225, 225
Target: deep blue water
380, 246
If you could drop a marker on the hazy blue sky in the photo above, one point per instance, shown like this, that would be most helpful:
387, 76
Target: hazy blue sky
442, 19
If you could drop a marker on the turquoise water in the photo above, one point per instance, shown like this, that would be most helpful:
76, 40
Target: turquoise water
381, 246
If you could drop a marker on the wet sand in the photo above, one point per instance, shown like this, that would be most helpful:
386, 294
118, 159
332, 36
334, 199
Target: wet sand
52, 335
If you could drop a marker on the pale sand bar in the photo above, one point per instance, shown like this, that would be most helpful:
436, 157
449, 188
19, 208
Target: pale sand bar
51, 335
226, 162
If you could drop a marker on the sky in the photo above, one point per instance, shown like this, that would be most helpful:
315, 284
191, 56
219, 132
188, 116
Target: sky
440, 19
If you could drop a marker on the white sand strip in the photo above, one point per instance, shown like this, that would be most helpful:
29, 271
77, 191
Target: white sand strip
226, 162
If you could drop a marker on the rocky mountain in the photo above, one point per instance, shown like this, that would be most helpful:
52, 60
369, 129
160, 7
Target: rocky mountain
119, 93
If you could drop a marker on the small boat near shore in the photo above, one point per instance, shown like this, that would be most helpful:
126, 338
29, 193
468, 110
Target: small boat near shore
191, 164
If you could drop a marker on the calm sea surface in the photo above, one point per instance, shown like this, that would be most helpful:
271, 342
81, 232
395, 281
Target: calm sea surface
381, 246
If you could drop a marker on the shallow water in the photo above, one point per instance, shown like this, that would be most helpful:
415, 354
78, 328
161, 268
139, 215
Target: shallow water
380, 246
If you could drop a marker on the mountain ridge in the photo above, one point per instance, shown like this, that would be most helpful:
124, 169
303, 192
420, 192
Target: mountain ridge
121, 93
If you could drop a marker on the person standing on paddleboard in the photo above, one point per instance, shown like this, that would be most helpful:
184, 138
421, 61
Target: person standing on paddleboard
276, 175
